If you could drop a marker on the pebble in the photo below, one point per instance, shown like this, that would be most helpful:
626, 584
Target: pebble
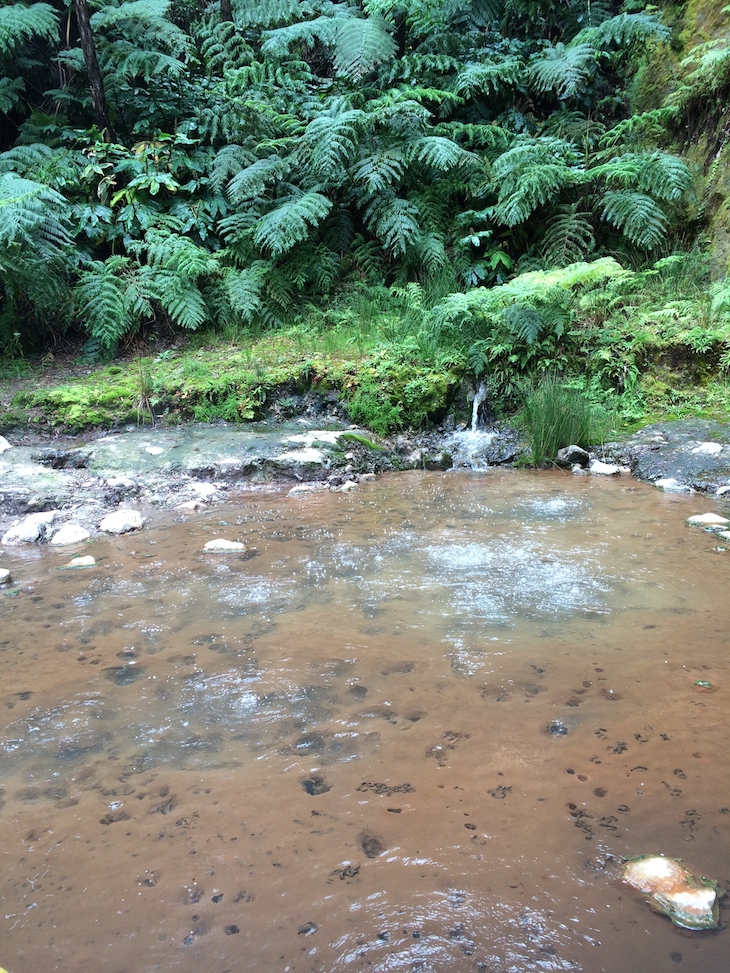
4, 576
670, 485
708, 449
220, 546
189, 505
304, 488
122, 521
204, 490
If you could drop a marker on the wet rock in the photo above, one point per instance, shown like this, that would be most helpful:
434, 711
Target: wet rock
315, 785
4, 444
220, 545
204, 490
672, 890
31, 529
708, 520
570, 455
4, 576
597, 468
556, 729
670, 485
70, 534
122, 522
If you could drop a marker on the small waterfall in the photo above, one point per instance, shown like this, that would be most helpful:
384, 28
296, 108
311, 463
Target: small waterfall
479, 397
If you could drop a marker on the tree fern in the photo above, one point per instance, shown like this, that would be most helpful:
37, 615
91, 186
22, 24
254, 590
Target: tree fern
657, 173
378, 171
32, 216
288, 224
439, 153
251, 182
106, 303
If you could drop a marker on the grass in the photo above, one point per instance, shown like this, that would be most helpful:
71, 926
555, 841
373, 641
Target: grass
554, 416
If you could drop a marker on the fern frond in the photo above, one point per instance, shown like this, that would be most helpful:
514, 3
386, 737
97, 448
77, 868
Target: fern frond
648, 126
244, 289
265, 13
378, 171
530, 174
102, 301
278, 42
252, 181
568, 237
563, 69
659, 173
32, 215
394, 221
489, 77
362, 44
439, 153
20, 21
624, 30
637, 215
282, 228
524, 322
330, 142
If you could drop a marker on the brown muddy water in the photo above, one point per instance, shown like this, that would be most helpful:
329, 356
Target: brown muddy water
416, 729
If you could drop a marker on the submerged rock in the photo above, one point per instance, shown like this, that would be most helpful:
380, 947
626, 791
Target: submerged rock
87, 561
70, 534
221, 546
121, 522
689, 901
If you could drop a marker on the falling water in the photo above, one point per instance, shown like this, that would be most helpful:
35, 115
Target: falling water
479, 397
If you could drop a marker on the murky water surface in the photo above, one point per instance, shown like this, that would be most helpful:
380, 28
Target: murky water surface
415, 729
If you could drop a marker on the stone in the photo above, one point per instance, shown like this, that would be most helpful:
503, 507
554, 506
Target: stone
221, 546
4, 444
87, 561
31, 528
670, 485
708, 520
578, 470
189, 505
122, 521
4, 576
204, 490
707, 449
570, 455
725, 534
70, 534
303, 488
722, 490
346, 487
604, 469
689, 901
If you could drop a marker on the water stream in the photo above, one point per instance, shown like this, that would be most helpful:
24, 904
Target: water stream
415, 728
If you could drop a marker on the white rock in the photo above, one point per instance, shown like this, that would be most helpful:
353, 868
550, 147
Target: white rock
721, 491
31, 528
725, 534
367, 476
121, 481
87, 561
189, 505
204, 490
604, 469
122, 521
346, 487
4, 444
70, 534
222, 546
4, 576
670, 485
708, 520
154, 450
578, 470
303, 488
708, 449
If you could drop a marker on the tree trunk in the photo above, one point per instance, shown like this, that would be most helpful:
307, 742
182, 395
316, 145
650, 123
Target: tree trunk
226, 11
96, 83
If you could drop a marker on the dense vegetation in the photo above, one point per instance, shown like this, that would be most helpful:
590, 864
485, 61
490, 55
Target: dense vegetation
493, 187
